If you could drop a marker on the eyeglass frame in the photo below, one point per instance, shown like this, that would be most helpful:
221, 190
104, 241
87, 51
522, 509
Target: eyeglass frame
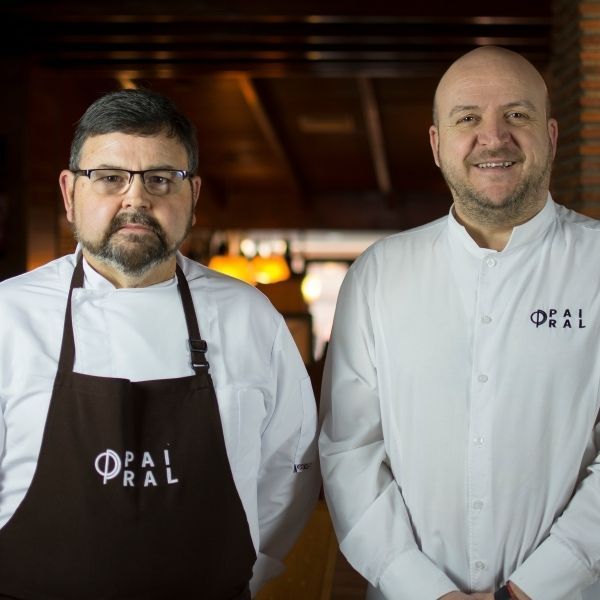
86, 172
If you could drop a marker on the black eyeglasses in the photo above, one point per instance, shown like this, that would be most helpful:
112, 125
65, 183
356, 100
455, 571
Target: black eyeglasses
158, 182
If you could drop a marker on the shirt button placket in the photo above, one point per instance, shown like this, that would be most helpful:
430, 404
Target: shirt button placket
480, 415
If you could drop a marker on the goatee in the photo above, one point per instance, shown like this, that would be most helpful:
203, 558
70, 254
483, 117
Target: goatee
132, 254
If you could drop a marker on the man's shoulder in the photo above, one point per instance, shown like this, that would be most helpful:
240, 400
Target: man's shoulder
408, 243
222, 289
35, 301
49, 279
572, 219
416, 235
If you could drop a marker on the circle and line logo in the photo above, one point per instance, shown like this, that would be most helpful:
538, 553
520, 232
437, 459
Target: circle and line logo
108, 464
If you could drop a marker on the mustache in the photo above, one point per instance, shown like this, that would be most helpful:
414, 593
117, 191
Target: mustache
136, 218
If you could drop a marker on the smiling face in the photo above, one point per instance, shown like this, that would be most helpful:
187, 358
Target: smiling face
492, 138
133, 233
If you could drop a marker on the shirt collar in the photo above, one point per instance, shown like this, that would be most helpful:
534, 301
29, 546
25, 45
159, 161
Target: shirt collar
520, 236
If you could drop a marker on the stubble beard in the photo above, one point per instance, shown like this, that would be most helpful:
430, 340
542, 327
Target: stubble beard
515, 208
137, 254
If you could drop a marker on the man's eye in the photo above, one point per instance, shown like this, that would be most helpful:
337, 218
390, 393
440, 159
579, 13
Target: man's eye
158, 180
112, 178
517, 115
467, 119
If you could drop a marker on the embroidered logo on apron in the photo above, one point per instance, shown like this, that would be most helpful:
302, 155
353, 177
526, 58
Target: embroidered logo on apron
142, 470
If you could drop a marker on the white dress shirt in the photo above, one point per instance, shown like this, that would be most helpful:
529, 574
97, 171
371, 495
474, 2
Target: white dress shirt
265, 397
460, 398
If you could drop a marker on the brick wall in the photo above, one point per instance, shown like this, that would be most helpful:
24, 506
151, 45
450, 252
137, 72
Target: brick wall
575, 91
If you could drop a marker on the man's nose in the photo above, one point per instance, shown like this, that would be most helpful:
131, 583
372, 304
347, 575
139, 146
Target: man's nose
136, 195
493, 131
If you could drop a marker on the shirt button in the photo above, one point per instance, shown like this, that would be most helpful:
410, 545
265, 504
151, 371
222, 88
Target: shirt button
491, 262
486, 319
478, 504
479, 441
479, 565
482, 378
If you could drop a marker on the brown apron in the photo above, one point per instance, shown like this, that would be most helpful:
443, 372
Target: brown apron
133, 495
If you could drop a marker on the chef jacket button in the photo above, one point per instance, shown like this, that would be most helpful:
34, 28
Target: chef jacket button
486, 319
478, 504
479, 565
482, 378
479, 440
491, 262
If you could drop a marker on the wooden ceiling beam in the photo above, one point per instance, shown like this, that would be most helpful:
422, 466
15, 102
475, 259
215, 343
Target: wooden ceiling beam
374, 128
270, 133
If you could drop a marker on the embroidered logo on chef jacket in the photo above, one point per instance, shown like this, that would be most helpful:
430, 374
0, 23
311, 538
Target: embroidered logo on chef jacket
302, 467
558, 319
142, 470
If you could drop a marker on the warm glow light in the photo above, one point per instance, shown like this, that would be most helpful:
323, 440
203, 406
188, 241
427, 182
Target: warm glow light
264, 249
234, 266
311, 288
270, 269
279, 246
248, 247
126, 81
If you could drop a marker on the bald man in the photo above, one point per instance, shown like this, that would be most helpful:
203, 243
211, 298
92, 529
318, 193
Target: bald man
460, 440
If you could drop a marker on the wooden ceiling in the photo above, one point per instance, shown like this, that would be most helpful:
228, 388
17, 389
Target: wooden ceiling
309, 114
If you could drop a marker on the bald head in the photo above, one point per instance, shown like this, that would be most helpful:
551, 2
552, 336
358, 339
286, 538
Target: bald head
493, 139
485, 66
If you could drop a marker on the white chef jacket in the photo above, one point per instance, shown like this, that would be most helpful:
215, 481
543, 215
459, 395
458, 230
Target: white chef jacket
459, 400
265, 397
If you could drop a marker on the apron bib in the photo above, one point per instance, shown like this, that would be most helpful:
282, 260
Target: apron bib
133, 496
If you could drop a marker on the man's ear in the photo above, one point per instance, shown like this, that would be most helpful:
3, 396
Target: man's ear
434, 141
66, 180
553, 133
196, 184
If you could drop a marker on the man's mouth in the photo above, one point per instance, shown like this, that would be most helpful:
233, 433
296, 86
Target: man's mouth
136, 227
500, 164
135, 223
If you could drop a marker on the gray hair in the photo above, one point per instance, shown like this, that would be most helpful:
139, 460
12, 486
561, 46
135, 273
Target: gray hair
136, 112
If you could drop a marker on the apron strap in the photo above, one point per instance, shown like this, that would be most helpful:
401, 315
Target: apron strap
198, 346
66, 362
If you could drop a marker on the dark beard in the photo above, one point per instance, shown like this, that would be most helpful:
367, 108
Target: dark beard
516, 208
136, 255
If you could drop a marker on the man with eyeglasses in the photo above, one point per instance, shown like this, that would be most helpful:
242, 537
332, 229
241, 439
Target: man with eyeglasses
125, 471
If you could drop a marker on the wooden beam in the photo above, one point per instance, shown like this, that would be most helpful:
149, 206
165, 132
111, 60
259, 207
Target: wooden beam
375, 135
268, 130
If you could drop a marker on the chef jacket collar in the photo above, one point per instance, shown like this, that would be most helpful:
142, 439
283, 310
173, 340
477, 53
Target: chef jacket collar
520, 236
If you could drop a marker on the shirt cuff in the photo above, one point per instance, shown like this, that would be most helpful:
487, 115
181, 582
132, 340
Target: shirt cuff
265, 568
552, 572
412, 575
